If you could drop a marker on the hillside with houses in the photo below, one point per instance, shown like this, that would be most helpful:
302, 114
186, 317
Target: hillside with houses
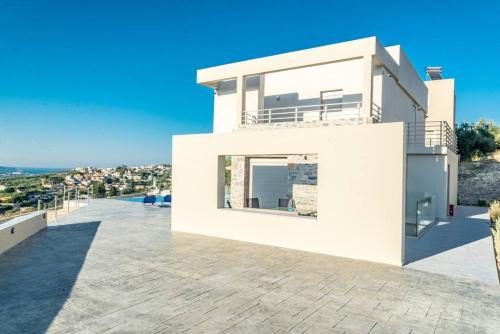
23, 194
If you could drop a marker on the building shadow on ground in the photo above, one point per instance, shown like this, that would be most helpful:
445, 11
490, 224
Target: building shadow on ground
37, 275
446, 235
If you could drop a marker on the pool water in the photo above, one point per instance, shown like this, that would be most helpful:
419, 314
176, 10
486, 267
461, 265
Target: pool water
159, 199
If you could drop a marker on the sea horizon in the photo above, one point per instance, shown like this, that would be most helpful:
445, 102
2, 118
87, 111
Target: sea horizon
31, 170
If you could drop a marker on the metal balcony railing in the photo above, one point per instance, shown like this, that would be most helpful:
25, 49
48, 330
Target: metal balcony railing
431, 134
309, 113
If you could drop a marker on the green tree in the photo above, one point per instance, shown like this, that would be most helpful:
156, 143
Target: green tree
112, 192
19, 198
227, 171
492, 129
476, 139
56, 179
99, 190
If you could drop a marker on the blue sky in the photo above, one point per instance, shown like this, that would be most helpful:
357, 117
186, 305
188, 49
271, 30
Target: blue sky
109, 82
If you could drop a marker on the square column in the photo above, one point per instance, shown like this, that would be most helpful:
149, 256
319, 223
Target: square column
240, 98
367, 86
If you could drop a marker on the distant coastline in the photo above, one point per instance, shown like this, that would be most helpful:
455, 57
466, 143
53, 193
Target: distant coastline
27, 171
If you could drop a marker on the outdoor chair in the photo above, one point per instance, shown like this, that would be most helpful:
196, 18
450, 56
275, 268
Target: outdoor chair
283, 202
286, 203
166, 201
149, 200
252, 202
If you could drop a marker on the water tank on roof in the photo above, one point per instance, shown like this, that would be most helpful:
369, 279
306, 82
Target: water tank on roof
434, 72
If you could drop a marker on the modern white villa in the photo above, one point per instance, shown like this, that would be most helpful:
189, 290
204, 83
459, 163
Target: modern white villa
341, 150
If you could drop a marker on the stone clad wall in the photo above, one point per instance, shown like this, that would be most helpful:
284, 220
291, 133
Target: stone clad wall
479, 180
307, 124
240, 172
302, 181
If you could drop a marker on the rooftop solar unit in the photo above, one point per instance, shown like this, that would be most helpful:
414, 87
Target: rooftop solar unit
434, 72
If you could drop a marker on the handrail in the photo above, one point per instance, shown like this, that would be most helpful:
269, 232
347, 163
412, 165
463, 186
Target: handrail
376, 112
315, 112
308, 106
431, 134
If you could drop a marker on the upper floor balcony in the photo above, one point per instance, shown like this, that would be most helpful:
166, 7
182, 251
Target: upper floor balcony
313, 115
430, 137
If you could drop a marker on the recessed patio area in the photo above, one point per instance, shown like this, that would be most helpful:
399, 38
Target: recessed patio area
116, 267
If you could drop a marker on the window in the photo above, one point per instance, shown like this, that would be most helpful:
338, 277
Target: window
332, 100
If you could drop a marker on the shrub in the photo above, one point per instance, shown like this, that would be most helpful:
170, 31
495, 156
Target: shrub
495, 212
482, 202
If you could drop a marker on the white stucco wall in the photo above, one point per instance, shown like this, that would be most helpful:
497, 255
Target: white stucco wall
298, 78
360, 196
17, 229
252, 99
224, 107
408, 77
296, 87
428, 174
452, 159
303, 86
442, 101
396, 104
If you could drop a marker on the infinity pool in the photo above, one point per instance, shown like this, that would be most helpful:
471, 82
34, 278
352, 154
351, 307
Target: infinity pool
139, 199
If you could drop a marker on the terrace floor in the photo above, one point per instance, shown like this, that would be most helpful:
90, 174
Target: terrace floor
459, 246
116, 267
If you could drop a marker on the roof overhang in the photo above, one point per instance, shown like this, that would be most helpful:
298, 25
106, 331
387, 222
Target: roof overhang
359, 48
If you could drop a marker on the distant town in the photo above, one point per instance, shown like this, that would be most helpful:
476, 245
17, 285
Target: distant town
22, 192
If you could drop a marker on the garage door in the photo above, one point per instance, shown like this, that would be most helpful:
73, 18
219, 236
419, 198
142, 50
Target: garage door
269, 183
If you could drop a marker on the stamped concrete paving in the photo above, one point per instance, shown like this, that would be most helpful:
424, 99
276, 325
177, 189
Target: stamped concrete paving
116, 268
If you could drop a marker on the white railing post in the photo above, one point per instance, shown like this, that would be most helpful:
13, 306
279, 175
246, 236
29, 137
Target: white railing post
55, 207
296, 114
415, 134
39, 205
441, 133
269, 116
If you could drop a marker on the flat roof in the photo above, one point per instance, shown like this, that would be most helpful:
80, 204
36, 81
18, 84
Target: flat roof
314, 56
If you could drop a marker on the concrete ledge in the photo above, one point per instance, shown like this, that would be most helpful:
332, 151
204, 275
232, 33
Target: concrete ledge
420, 149
20, 228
